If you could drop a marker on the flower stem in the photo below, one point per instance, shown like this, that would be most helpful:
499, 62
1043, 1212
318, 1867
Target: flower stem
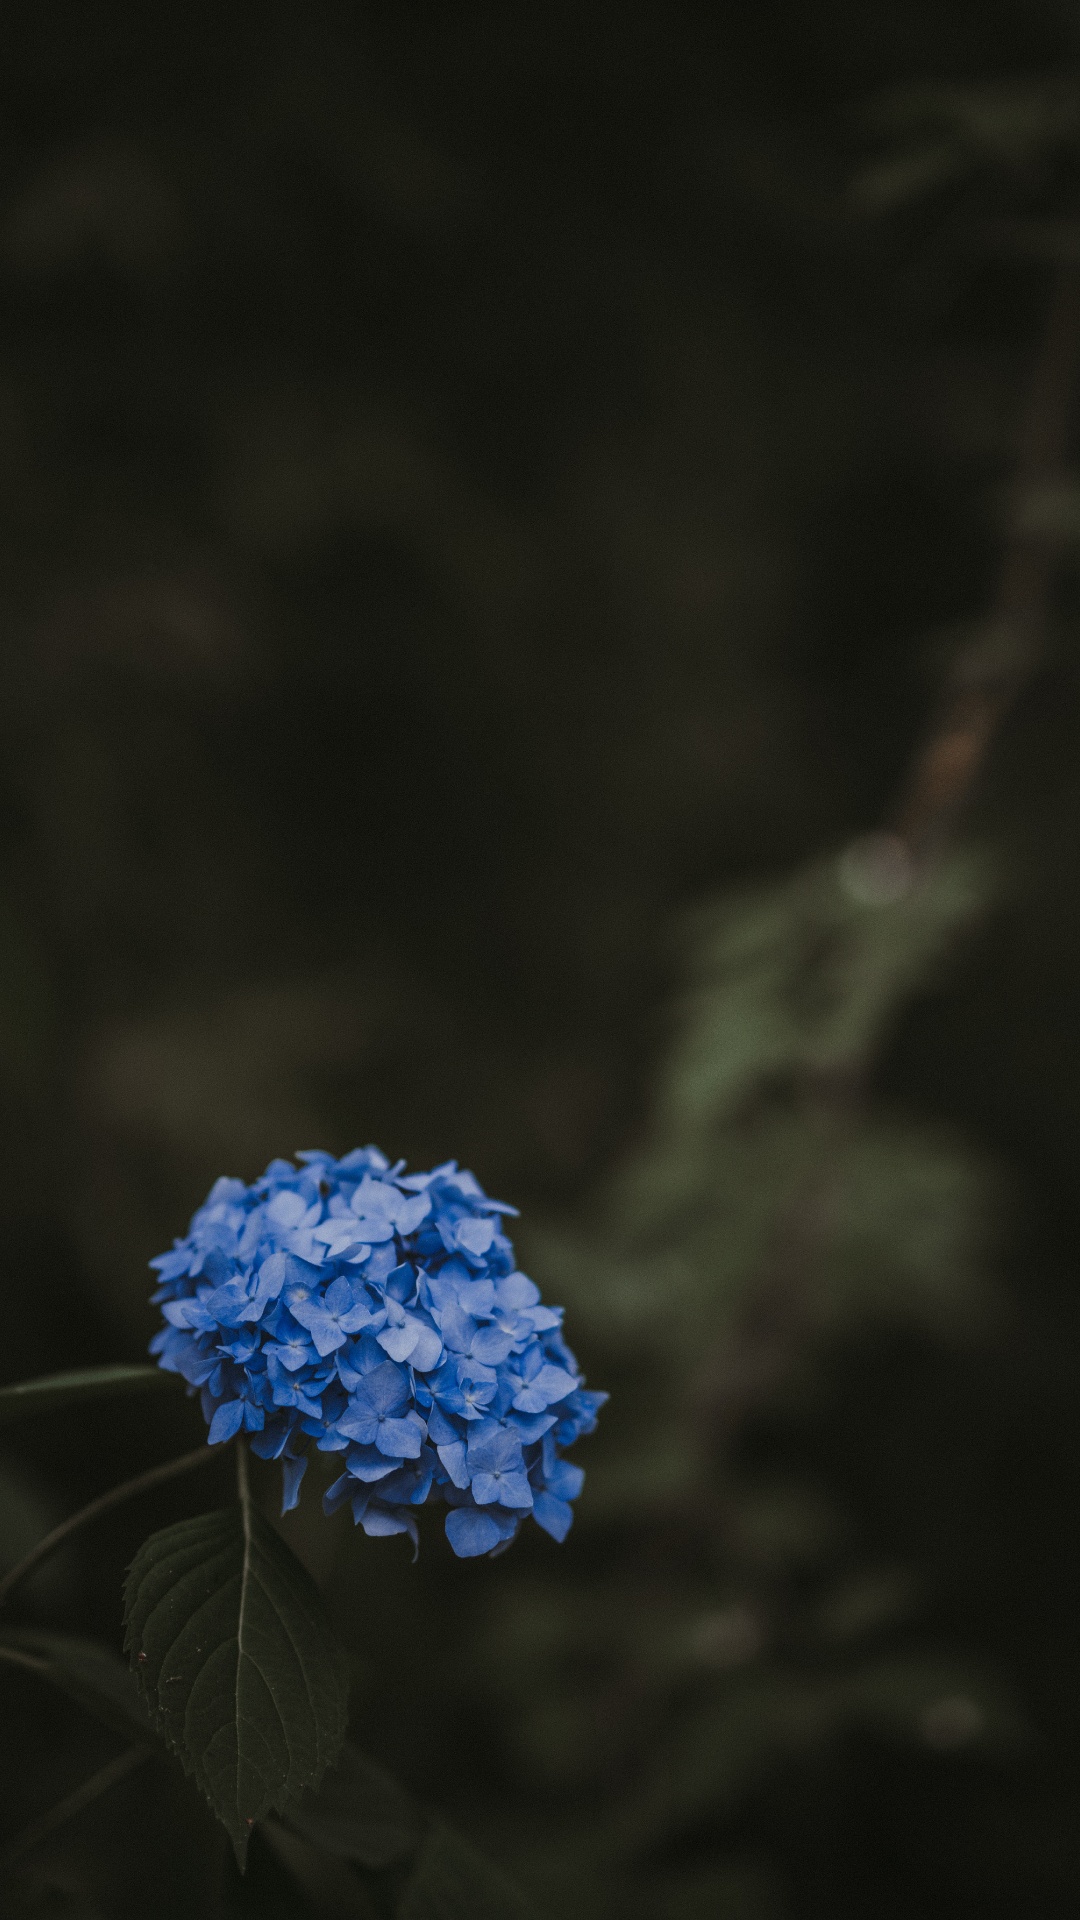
103, 1504
73, 1803
243, 1489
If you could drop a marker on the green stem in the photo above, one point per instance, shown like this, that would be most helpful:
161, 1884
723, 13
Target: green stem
27, 1662
105, 1501
66, 1809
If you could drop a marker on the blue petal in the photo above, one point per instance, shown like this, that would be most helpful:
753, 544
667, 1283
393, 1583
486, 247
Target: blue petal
564, 1479
378, 1521
440, 1429
292, 1472
475, 1236
228, 1420
452, 1455
398, 1342
471, 1533
555, 1516
359, 1249
368, 1464
336, 1496
401, 1437
514, 1490
412, 1213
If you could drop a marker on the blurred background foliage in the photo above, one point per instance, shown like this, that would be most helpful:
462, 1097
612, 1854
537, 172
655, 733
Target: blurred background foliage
488, 499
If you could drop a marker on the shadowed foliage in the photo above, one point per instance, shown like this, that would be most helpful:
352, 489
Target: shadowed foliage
538, 560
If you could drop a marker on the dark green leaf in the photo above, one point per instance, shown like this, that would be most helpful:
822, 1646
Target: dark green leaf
43, 1892
452, 1882
238, 1663
271, 1888
804, 976
87, 1672
28, 1512
85, 1383
328, 1884
360, 1813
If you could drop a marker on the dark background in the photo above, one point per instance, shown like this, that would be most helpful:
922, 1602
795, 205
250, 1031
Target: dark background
476, 482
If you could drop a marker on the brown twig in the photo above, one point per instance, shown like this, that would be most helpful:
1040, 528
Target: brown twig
990, 672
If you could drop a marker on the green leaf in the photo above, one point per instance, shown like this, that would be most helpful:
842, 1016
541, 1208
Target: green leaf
360, 1813
453, 1882
804, 976
88, 1672
84, 1383
913, 1213
328, 1884
239, 1666
28, 1512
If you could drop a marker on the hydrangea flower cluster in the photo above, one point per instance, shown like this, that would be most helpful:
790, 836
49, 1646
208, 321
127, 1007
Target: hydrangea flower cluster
379, 1315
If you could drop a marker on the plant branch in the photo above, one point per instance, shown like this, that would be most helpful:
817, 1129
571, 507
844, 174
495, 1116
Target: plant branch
155, 1476
74, 1802
990, 672
986, 678
26, 1662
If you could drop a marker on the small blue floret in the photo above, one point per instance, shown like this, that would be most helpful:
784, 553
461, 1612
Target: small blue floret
379, 1315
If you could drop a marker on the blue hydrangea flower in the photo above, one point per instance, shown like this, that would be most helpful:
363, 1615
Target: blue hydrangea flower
348, 1305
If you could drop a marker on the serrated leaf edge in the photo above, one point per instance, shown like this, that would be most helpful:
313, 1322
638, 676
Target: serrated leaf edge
250, 1547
